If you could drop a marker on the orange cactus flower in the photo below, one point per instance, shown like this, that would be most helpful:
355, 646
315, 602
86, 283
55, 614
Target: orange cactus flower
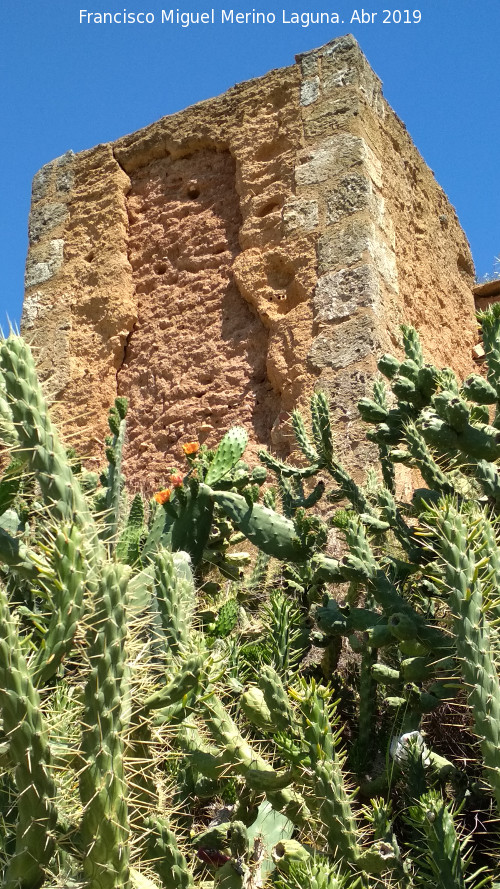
163, 496
176, 480
192, 447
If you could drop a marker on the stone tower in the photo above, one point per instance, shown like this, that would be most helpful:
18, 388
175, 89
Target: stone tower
220, 264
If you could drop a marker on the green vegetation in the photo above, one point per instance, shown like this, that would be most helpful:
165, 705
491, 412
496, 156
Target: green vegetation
179, 712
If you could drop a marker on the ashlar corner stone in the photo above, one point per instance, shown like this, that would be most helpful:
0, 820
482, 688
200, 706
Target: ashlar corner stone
345, 246
345, 344
45, 218
335, 156
44, 264
340, 294
309, 91
350, 195
300, 216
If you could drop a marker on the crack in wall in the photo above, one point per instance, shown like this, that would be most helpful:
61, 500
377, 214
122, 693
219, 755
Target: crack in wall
128, 337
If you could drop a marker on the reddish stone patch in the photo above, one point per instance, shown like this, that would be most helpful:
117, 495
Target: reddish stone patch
195, 362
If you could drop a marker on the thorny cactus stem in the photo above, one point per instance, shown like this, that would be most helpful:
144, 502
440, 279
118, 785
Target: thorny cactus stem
237, 752
441, 858
38, 440
40, 446
433, 476
68, 594
104, 828
166, 857
174, 597
329, 793
114, 477
455, 543
29, 751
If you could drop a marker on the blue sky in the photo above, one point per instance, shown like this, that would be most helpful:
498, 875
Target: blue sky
70, 85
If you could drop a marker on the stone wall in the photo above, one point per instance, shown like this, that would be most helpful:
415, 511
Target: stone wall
486, 294
220, 264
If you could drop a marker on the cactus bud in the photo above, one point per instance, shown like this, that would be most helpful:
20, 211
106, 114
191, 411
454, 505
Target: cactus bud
370, 411
254, 706
477, 389
404, 388
259, 475
388, 366
289, 852
121, 405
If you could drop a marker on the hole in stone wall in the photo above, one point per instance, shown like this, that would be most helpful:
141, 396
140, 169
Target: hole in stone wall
279, 277
269, 208
90, 256
193, 190
277, 297
160, 268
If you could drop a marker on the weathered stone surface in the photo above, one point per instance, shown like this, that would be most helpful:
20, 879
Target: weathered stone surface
32, 308
220, 264
308, 64
345, 343
64, 174
344, 388
335, 155
339, 114
46, 218
345, 246
43, 265
350, 195
341, 69
338, 49
208, 365
300, 216
40, 182
309, 91
340, 294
